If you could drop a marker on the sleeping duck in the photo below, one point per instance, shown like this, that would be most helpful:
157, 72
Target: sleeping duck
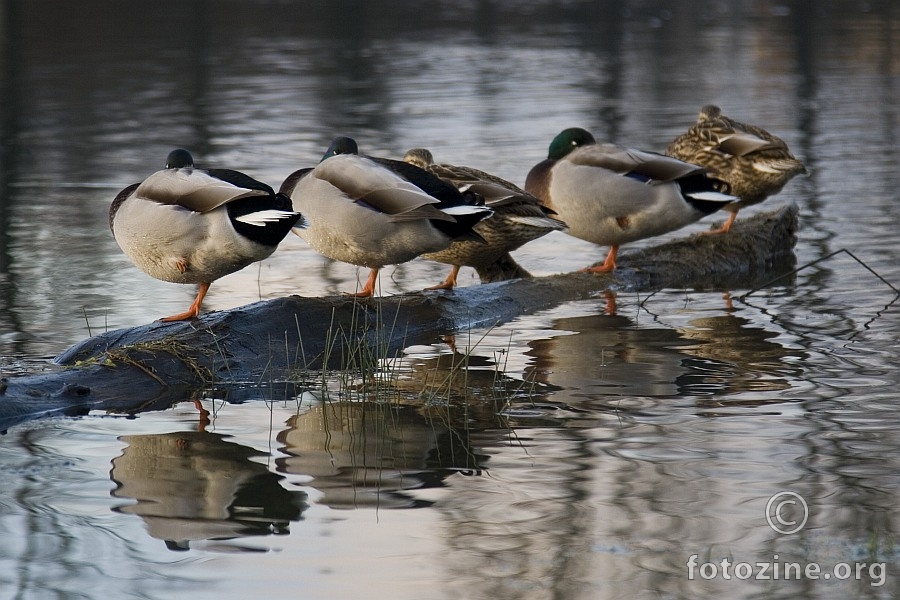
188, 225
518, 218
374, 212
612, 195
753, 162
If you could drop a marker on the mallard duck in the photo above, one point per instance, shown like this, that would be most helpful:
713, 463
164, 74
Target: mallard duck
752, 161
187, 225
518, 218
611, 195
374, 212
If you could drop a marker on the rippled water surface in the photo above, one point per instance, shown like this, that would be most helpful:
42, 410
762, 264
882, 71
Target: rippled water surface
570, 453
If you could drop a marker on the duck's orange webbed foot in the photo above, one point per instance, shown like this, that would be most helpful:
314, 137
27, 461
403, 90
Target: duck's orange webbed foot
724, 228
608, 265
449, 283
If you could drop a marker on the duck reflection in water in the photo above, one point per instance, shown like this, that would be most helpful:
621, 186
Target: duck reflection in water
755, 363
603, 355
192, 486
375, 453
599, 355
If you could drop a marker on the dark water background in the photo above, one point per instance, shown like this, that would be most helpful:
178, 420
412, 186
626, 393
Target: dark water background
579, 454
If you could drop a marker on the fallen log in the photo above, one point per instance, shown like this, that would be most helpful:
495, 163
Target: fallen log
258, 350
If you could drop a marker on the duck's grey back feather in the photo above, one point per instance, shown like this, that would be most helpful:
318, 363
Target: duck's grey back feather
364, 180
192, 189
656, 168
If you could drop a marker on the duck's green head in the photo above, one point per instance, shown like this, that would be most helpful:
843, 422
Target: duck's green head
568, 140
179, 159
341, 145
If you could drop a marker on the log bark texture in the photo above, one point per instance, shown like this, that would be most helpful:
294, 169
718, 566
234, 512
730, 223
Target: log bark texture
247, 349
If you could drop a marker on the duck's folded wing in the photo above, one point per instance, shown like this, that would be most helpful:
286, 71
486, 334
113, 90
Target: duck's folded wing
494, 194
741, 143
648, 166
494, 190
191, 189
239, 179
369, 183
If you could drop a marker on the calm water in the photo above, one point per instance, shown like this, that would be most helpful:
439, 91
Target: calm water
576, 454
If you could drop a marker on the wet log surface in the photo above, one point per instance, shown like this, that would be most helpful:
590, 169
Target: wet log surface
256, 351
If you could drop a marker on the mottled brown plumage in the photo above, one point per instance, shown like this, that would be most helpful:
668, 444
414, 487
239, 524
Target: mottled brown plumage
754, 163
518, 218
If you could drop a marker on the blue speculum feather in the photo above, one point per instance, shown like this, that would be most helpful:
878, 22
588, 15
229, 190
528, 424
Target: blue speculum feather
365, 204
638, 177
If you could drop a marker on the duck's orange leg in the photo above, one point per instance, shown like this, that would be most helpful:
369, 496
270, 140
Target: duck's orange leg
368, 289
608, 265
194, 310
610, 303
724, 228
450, 282
204, 415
